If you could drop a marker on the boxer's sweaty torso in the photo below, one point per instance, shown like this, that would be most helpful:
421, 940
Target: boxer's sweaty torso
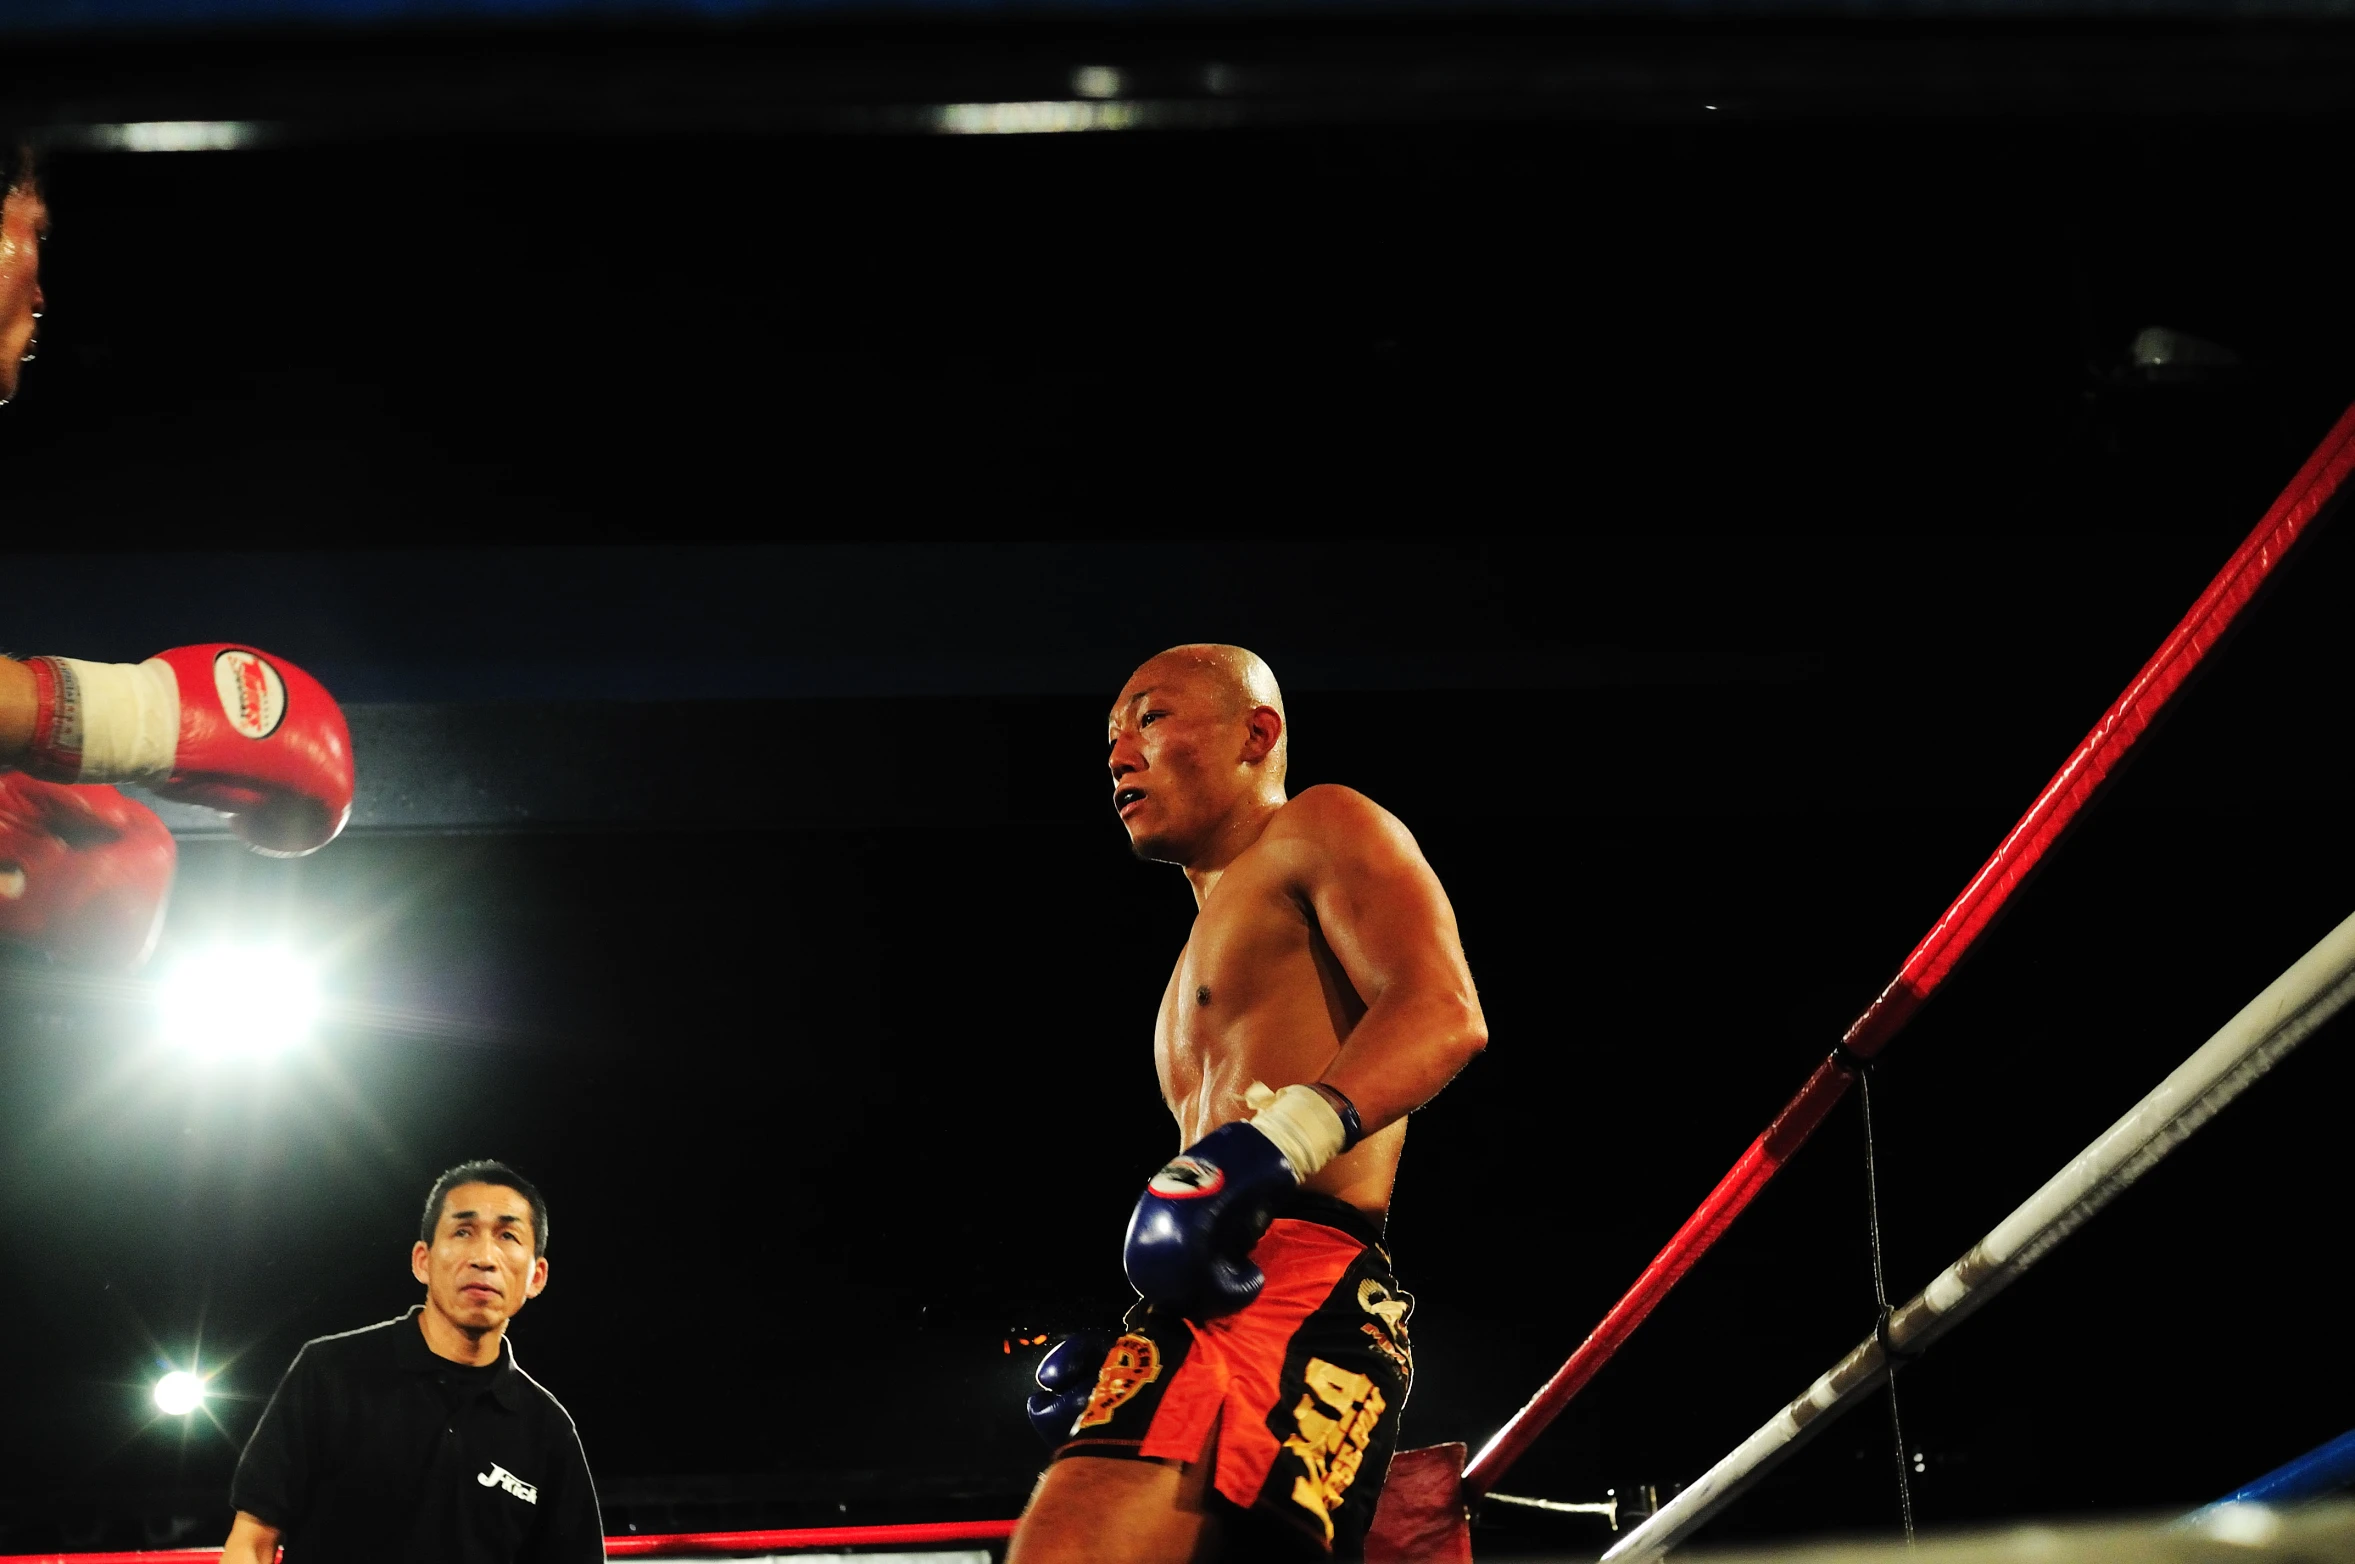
1258, 996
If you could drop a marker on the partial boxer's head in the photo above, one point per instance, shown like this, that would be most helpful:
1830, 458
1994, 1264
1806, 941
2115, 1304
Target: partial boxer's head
1198, 743
24, 223
482, 1245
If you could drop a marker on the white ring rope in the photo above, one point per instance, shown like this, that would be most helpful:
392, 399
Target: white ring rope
2248, 1045
1608, 1509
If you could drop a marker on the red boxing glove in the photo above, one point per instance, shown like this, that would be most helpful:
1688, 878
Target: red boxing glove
222, 725
84, 871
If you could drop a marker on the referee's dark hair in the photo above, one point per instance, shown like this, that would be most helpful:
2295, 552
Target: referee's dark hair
485, 1172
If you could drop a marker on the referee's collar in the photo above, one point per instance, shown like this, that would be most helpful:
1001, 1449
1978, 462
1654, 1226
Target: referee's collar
414, 1355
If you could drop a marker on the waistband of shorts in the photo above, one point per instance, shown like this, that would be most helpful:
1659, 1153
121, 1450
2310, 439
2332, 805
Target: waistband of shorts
1340, 1215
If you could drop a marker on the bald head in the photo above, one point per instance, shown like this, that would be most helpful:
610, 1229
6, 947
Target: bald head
1198, 749
1236, 676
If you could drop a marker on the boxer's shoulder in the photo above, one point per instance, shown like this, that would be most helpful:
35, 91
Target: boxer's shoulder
1329, 809
1337, 820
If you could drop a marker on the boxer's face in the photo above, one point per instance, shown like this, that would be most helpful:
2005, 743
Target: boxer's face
24, 223
1178, 761
482, 1265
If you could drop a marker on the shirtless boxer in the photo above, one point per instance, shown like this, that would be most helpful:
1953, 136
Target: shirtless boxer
1253, 1403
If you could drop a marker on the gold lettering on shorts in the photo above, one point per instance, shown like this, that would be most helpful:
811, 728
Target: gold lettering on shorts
1132, 1364
1391, 1309
1336, 1424
1388, 1349
1384, 1305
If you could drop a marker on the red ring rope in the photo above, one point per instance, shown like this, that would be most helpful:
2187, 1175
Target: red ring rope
2064, 798
667, 1546
805, 1537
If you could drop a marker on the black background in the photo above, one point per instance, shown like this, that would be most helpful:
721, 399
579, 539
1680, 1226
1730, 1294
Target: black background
1706, 530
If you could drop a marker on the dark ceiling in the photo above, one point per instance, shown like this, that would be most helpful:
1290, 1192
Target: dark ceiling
618, 285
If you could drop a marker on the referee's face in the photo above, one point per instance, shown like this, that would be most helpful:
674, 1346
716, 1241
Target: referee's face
483, 1263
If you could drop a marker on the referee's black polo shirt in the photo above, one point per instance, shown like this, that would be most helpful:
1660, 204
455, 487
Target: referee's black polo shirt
375, 1451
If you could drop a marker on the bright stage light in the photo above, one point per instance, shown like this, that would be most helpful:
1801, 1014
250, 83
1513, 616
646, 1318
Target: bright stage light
238, 1001
176, 135
178, 1393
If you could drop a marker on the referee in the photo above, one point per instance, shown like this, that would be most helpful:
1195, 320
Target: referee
418, 1441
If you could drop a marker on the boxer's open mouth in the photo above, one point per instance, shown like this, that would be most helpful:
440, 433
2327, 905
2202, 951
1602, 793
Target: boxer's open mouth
1125, 797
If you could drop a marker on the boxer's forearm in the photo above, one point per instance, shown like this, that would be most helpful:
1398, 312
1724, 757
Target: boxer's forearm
1403, 1050
250, 1542
18, 695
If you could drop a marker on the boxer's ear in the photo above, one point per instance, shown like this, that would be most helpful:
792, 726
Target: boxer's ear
1261, 729
537, 1283
417, 1253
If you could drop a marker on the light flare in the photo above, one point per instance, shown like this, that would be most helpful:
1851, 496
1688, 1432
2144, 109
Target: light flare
229, 1001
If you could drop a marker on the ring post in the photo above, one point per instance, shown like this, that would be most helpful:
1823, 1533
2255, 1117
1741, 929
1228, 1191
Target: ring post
1957, 930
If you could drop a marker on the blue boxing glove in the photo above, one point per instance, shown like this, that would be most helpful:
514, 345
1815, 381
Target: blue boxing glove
1190, 1238
1066, 1378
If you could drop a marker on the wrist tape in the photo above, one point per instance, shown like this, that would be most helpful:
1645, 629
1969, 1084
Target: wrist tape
1301, 1123
103, 722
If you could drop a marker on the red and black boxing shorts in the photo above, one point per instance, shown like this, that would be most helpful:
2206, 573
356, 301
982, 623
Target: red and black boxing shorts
1304, 1385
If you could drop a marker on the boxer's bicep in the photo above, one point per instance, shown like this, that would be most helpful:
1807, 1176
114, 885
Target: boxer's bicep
1387, 921
1381, 908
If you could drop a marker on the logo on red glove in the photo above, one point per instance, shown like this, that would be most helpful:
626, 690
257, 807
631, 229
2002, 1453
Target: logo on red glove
1188, 1178
252, 694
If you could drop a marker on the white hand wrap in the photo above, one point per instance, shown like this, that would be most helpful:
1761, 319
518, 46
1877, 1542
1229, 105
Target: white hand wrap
129, 714
1301, 1123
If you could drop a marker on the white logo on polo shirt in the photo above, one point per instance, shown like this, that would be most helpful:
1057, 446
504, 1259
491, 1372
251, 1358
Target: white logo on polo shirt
499, 1477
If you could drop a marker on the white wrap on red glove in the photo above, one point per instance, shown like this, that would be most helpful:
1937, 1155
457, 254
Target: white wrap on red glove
222, 725
113, 722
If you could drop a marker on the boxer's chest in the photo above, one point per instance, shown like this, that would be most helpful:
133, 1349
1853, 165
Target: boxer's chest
1256, 995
